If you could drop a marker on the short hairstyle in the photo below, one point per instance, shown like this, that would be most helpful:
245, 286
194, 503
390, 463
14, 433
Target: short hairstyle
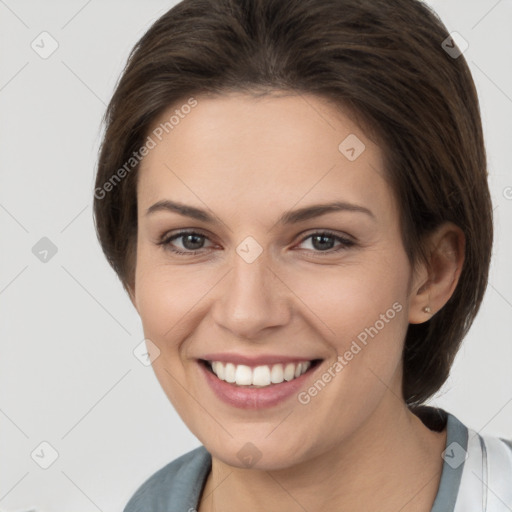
383, 62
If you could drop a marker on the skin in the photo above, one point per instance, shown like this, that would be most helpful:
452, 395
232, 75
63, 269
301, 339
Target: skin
354, 446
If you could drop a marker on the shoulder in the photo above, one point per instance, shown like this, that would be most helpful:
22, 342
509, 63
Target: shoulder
176, 486
477, 468
487, 472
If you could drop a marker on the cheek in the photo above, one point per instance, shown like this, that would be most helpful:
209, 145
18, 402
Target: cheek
165, 301
172, 301
349, 298
362, 317
164, 293
361, 313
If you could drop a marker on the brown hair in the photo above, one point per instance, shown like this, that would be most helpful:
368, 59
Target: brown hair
382, 60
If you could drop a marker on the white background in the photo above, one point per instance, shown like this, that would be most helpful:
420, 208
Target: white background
67, 372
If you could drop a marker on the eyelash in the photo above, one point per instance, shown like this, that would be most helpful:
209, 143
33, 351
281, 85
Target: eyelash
166, 240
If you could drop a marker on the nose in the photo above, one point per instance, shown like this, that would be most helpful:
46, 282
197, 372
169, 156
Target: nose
252, 299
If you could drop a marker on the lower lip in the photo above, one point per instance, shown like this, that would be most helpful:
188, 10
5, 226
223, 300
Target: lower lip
254, 398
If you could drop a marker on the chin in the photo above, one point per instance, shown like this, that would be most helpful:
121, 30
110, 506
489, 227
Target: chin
264, 455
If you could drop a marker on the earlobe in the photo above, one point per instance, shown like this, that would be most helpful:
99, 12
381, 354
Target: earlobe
436, 282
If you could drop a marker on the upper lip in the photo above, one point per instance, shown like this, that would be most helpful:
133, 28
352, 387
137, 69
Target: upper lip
262, 359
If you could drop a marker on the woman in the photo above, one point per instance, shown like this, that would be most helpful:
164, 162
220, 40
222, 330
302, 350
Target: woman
294, 196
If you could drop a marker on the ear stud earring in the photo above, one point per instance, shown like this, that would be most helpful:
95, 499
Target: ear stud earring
427, 309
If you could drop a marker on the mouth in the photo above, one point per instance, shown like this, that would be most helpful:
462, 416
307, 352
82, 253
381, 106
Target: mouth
261, 376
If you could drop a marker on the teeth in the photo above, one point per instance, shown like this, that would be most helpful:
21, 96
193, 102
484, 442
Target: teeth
260, 376
277, 374
219, 370
289, 371
229, 372
243, 375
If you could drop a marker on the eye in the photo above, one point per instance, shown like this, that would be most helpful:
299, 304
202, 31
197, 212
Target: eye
192, 242
323, 241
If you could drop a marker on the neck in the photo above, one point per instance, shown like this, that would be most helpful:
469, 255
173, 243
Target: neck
393, 462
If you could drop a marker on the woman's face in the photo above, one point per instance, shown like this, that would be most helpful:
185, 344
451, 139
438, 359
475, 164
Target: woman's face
266, 284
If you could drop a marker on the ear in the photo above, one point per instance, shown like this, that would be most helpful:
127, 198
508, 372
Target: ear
434, 284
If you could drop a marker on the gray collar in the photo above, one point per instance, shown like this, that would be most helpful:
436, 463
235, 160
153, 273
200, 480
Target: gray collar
455, 449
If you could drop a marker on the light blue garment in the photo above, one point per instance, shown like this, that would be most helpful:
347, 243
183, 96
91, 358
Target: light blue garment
476, 474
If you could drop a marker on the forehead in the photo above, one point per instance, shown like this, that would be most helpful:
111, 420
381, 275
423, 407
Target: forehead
240, 151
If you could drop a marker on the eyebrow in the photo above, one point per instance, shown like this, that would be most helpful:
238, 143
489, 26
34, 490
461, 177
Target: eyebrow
291, 217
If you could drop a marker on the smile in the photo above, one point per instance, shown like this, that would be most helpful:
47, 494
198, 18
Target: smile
256, 382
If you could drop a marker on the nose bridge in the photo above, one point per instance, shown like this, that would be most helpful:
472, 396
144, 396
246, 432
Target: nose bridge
253, 298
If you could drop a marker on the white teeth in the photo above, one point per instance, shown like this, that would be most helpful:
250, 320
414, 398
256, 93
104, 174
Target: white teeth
243, 375
229, 372
219, 370
277, 374
261, 376
289, 371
